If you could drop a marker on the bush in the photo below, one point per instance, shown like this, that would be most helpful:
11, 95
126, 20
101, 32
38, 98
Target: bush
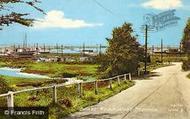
186, 65
66, 102
4, 88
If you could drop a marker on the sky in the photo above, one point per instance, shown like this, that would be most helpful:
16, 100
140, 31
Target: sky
74, 22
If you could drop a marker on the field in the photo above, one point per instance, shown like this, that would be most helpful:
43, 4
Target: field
52, 69
62, 70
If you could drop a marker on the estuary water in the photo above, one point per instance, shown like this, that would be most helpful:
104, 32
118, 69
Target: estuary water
14, 72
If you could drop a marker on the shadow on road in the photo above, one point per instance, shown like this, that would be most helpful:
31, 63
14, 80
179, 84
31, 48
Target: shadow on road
148, 76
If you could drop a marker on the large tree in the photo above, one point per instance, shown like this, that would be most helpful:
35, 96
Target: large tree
186, 45
123, 54
186, 38
9, 15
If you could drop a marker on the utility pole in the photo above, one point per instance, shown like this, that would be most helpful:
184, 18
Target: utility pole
37, 48
180, 48
44, 48
146, 39
100, 52
161, 50
57, 48
62, 50
83, 50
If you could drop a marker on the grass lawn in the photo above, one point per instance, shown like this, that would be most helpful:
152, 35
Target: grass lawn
62, 70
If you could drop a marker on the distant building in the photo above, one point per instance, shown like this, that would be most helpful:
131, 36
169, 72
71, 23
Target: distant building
89, 52
23, 53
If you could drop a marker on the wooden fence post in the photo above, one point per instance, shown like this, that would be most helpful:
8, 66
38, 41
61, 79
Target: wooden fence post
125, 77
79, 88
96, 87
54, 94
110, 81
130, 76
10, 99
118, 80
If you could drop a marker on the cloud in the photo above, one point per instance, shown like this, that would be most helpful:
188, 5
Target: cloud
56, 19
163, 4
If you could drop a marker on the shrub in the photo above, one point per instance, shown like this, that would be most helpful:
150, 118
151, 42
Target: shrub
66, 102
186, 65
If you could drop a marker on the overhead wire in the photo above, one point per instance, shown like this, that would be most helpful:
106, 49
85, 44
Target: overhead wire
107, 9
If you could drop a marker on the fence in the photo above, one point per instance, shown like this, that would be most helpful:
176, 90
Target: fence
10, 94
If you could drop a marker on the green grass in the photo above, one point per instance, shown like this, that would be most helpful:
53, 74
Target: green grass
188, 76
69, 100
51, 69
152, 66
16, 83
62, 70
169, 58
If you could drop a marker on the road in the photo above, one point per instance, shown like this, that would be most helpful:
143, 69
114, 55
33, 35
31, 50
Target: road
165, 95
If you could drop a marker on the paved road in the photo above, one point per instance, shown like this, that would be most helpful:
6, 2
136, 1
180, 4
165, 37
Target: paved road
166, 95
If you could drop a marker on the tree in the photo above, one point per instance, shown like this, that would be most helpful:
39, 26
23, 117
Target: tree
123, 54
186, 38
186, 45
10, 16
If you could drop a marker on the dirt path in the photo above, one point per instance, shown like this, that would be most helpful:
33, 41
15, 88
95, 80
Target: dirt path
166, 95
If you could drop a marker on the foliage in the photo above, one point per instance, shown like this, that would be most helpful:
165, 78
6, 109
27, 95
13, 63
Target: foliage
188, 76
186, 38
4, 88
13, 16
123, 54
186, 65
186, 45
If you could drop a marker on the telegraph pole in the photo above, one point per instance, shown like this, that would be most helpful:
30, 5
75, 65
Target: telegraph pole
146, 39
83, 49
180, 48
57, 48
62, 50
161, 50
100, 52
44, 48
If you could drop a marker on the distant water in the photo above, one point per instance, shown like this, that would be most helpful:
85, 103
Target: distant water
6, 71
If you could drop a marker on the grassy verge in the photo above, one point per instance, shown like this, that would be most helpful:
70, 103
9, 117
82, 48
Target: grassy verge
154, 66
188, 76
69, 100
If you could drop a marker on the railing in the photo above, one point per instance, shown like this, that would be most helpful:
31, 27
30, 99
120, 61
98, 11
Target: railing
10, 94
